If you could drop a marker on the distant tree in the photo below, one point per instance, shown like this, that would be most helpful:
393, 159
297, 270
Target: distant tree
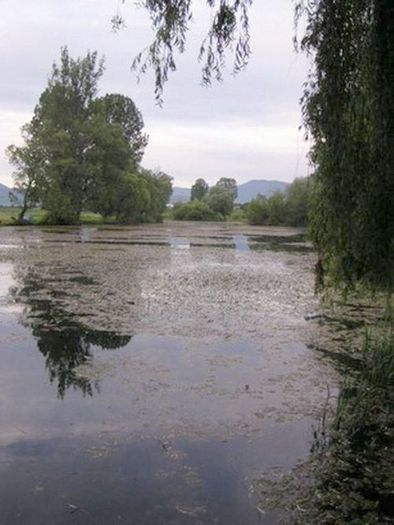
141, 196
220, 200
161, 190
237, 215
277, 209
199, 190
229, 185
257, 210
298, 195
272, 211
28, 163
195, 211
132, 198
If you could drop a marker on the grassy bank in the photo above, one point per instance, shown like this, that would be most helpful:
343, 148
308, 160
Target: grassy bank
8, 215
38, 216
353, 456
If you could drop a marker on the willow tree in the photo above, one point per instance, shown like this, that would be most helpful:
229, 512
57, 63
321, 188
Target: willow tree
229, 31
347, 106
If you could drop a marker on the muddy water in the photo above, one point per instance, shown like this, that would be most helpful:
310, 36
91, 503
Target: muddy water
150, 375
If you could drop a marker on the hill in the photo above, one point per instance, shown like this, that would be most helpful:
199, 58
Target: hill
246, 191
180, 194
250, 190
4, 198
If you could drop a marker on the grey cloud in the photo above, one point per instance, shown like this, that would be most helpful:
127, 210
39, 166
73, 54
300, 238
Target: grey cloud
267, 93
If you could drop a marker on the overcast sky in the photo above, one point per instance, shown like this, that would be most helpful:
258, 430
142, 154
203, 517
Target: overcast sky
245, 127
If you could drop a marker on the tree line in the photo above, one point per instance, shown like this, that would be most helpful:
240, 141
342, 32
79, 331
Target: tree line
289, 208
208, 204
83, 152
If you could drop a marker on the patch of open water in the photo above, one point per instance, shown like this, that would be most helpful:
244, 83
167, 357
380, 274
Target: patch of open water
101, 426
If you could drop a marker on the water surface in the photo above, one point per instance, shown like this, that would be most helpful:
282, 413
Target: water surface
152, 374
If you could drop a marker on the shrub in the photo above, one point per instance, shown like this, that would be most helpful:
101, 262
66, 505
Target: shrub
195, 211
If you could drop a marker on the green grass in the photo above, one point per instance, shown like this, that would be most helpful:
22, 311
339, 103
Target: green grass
9, 213
237, 215
88, 217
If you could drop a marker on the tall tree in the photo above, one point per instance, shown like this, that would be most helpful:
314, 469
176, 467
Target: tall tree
83, 151
348, 108
161, 190
60, 131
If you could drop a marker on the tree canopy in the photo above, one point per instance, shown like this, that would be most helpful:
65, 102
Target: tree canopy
208, 204
229, 185
83, 152
289, 208
348, 108
120, 110
199, 189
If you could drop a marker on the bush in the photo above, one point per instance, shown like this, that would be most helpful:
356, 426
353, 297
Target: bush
220, 200
298, 200
238, 215
256, 211
195, 211
282, 209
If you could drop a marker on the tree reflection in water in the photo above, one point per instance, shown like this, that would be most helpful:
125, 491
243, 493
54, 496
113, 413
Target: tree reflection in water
65, 343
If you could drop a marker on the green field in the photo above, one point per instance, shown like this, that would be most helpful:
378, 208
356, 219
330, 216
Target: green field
37, 216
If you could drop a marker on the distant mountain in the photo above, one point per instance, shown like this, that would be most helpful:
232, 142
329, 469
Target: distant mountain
249, 190
246, 191
180, 194
4, 198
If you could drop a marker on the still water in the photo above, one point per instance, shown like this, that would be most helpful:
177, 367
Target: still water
151, 375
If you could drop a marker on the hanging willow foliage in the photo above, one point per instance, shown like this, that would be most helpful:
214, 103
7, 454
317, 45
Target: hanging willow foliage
348, 108
228, 31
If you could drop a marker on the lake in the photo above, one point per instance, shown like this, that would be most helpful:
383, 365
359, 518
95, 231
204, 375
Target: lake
153, 374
